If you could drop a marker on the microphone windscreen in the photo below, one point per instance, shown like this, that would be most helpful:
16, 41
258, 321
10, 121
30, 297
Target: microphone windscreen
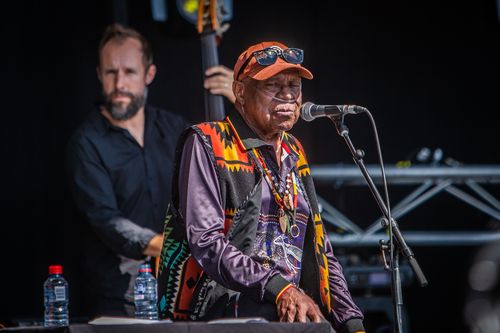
305, 111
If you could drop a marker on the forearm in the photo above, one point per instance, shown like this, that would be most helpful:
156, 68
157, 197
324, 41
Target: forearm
127, 238
122, 235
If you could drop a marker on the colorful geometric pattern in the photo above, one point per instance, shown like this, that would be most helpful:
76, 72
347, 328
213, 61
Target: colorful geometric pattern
302, 165
323, 262
229, 154
179, 275
228, 218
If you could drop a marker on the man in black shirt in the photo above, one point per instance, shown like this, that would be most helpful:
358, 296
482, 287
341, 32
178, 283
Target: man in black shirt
120, 168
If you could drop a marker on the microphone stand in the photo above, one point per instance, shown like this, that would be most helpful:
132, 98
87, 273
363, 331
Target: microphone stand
395, 237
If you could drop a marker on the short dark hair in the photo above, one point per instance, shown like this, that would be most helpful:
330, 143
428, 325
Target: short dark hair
119, 33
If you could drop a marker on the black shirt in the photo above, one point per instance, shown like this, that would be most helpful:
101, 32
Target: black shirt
123, 190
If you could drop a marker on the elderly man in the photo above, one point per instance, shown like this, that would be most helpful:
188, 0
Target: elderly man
245, 237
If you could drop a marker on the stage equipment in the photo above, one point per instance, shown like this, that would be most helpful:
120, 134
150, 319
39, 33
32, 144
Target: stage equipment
430, 181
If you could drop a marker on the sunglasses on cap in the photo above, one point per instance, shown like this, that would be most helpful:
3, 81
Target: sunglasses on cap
269, 55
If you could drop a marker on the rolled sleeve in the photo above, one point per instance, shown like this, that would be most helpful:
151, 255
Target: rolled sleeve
132, 238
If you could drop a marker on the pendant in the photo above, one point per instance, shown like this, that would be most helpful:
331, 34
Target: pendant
290, 201
283, 219
294, 231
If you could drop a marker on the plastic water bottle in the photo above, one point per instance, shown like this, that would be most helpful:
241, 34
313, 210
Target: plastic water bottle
55, 292
145, 294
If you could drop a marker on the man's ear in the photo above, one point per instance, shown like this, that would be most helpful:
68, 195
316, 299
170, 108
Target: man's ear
150, 74
239, 92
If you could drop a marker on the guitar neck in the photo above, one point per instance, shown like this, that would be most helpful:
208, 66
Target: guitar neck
214, 104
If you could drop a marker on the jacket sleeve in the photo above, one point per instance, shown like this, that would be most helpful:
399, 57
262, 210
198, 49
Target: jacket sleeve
95, 198
346, 315
200, 205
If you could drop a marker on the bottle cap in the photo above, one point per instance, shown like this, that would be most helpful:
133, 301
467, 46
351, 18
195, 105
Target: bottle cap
55, 269
145, 268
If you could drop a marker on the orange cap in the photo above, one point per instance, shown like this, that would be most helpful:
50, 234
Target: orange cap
259, 72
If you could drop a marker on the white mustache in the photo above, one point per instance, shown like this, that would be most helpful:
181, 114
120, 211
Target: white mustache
287, 104
290, 101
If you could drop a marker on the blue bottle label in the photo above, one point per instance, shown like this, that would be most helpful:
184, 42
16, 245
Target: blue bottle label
60, 293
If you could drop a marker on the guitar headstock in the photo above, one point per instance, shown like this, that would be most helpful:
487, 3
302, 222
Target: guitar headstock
211, 15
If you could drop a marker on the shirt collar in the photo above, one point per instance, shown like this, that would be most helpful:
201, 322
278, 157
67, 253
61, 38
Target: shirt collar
105, 125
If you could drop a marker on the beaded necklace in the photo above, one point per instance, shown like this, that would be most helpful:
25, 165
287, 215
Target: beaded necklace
286, 200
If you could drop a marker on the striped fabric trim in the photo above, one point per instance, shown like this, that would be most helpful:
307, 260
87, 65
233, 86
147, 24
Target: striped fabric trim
282, 291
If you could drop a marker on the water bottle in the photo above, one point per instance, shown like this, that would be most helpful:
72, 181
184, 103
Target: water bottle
55, 292
145, 294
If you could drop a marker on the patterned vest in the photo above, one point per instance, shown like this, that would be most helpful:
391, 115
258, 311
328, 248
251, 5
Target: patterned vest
182, 284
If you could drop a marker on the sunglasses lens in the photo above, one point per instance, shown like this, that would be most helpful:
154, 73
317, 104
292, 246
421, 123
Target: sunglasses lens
293, 56
266, 57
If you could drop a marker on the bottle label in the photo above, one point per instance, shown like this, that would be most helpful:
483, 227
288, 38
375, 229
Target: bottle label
60, 293
140, 289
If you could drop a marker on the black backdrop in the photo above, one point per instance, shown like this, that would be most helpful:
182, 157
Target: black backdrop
427, 70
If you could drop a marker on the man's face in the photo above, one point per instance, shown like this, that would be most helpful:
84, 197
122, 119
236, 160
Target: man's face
123, 78
272, 106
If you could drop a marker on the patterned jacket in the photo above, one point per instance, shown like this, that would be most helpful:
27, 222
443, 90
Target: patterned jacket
185, 290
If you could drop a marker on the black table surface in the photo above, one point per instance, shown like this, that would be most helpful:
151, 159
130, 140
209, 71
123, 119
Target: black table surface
182, 327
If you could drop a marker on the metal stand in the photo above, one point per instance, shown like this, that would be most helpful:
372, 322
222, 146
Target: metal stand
396, 241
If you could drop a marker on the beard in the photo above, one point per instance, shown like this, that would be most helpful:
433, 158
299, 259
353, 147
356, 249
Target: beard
120, 110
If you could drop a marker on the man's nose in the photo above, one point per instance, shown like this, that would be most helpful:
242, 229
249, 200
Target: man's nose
120, 80
286, 92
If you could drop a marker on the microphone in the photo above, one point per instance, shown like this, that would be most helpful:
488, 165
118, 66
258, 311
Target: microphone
310, 111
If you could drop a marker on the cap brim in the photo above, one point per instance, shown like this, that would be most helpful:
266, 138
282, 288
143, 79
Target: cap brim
265, 72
